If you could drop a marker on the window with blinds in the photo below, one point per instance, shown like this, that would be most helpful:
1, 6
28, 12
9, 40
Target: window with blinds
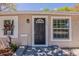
60, 28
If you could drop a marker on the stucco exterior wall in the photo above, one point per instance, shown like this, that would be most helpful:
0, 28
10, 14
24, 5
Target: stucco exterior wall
25, 30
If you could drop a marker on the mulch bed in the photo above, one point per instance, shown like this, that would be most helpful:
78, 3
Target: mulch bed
6, 52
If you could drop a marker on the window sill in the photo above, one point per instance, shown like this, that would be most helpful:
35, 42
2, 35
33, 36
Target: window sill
5, 36
61, 40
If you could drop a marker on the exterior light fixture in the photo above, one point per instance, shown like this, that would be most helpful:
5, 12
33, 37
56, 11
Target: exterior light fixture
27, 20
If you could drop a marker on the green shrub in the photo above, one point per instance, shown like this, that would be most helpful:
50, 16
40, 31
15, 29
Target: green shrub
13, 47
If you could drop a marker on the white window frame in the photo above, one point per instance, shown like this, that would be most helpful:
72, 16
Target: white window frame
15, 18
70, 30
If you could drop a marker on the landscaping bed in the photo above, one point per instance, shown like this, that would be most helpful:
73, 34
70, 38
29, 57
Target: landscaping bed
6, 52
43, 51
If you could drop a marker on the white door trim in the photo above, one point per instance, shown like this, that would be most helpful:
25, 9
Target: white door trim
46, 24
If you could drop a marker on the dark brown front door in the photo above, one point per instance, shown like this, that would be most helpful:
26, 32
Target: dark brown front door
39, 31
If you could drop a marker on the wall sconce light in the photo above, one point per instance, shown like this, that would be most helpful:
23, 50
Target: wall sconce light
27, 20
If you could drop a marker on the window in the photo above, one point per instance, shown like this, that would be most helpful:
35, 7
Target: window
8, 27
61, 28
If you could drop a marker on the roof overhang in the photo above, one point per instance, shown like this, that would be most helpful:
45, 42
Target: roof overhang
41, 12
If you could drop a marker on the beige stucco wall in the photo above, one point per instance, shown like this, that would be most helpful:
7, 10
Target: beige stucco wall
25, 30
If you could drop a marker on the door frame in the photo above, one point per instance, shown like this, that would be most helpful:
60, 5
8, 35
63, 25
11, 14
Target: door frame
46, 29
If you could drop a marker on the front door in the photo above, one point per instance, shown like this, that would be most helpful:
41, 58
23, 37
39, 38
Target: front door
39, 31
